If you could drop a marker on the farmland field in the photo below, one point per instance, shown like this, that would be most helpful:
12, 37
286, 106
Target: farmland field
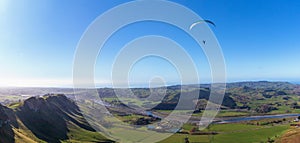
233, 133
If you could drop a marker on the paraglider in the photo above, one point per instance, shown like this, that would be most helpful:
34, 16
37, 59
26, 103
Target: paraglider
202, 21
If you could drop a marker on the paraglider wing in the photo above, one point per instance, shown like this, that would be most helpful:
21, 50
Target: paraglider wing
208, 21
202, 21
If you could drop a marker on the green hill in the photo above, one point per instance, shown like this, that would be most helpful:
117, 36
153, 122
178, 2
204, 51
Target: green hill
53, 118
249, 97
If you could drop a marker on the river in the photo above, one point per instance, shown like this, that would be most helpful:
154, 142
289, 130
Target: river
251, 118
224, 120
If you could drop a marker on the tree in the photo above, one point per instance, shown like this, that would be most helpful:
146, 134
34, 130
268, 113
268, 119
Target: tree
194, 129
186, 139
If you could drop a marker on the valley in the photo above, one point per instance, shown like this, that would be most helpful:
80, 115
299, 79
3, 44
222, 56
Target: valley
252, 111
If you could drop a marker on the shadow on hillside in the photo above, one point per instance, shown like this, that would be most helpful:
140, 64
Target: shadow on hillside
48, 118
43, 121
7, 134
70, 111
7, 121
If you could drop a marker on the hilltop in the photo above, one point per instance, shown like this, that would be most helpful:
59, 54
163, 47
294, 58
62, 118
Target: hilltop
51, 118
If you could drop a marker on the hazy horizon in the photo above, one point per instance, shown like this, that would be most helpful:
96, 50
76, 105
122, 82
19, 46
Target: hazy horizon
139, 85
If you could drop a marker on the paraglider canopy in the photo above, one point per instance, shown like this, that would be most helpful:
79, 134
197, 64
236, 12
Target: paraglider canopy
202, 21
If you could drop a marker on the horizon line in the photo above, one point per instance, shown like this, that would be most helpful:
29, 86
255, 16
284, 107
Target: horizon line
97, 85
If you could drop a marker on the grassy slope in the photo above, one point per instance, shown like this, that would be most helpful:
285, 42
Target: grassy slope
77, 134
241, 133
290, 136
249, 136
23, 134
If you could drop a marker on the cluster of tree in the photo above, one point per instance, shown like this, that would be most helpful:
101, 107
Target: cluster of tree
244, 106
295, 105
270, 122
144, 120
286, 97
196, 131
268, 93
265, 108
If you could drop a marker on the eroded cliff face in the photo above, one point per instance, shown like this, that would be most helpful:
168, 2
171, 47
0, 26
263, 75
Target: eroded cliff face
34, 103
3, 117
50, 118
6, 131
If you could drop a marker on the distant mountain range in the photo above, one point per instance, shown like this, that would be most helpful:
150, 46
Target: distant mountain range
239, 95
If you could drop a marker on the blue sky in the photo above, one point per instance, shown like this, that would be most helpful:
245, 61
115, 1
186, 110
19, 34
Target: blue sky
260, 40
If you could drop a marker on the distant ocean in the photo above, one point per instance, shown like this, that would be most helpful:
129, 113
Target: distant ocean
296, 82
